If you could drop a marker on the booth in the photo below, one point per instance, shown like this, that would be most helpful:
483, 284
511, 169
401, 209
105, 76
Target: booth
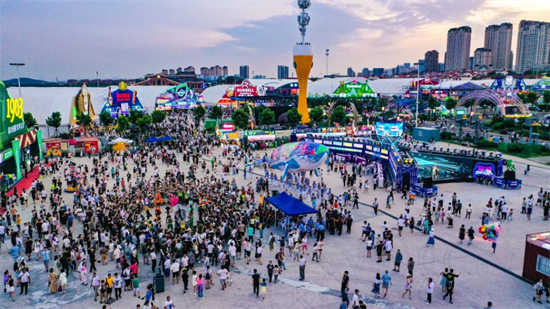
179, 97
120, 144
19, 146
122, 101
536, 261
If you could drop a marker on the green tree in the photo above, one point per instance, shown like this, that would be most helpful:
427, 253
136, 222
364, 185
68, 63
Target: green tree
338, 116
382, 103
433, 103
135, 115
546, 96
84, 121
143, 122
522, 96
199, 112
123, 124
106, 119
54, 121
267, 117
158, 116
316, 114
293, 117
532, 97
240, 118
450, 103
29, 120
215, 112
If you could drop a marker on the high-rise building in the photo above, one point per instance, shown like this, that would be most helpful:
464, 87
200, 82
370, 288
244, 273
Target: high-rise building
351, 72
431, 59
282, 72
377, 71
441, 67
421, 65
244, 71
225, 70
533, 45
205, 71
457, 56
365, 72
483, 58
498, 38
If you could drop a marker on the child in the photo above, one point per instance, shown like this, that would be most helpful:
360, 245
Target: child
264, 288
511, 214
194, 282
135, 284
276, 272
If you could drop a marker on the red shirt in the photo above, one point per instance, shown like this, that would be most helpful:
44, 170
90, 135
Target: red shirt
134, 269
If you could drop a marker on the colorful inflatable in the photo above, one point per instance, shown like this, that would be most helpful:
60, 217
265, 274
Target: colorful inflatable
490, 231
296, 157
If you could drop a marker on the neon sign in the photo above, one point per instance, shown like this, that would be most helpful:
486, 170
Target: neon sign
14, 108
484, 170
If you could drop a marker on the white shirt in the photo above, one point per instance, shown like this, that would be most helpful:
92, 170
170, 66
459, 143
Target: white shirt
355, 300
222, 273
430, 287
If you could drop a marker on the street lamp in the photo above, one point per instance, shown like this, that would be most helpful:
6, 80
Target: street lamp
417, 93
327, 53
18, 78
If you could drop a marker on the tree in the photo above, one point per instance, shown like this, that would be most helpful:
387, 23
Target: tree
54, 121
240, 118
158, 116
293, 117
135, 115
316, 114
546, 96
123, 124
338, 116
267, 117
199, 112
382, 103
215, 112
532, 97
84, 121
433, 103
106, 119
450, 103
143, 122
522, 96
29, 120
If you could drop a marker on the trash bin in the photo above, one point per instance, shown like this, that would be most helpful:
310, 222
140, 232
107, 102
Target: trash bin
158, 281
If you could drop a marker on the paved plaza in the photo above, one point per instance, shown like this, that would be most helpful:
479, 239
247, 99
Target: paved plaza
483, 277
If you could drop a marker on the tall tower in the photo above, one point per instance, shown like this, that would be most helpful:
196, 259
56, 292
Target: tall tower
458, 49
498, 38
303, 61
533, 45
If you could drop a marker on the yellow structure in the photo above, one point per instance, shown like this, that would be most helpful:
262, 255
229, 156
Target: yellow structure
303, 61
82, 104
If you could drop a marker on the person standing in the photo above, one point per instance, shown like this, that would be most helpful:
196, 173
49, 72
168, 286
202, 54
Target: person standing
398, 259
315, 255
185, 279
375, 204
355, 300
256, 283
410, 267
169, 304
471, 234
302, 264
264, 288
376, 286
431, 239
25, 279
345, 286
386, 282
96, 281
270, 269
462, 233
539, 287
117, 284
429, 291
450, 285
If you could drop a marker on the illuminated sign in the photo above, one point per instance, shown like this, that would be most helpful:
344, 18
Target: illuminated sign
484, 170
358, 145
348, 144
337, 143
14, 108
228, 126
384, 151
389, 129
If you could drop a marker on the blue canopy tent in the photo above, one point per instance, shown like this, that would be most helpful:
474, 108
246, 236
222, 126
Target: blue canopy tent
166, 138
152, 140
290, 205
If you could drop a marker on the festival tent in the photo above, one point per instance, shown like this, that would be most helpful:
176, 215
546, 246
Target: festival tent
166, 138
290, 205
120, 140
152, 140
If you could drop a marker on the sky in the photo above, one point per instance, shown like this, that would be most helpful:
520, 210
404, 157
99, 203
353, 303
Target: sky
128, 39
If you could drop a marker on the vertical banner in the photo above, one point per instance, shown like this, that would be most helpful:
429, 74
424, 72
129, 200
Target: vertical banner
17, 156
40, 146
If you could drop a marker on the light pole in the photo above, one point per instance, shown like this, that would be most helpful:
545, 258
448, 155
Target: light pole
417, 94
327, 53
18, 77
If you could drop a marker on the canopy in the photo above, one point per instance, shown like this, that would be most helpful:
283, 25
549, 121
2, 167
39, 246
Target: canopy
152, 139
121, 140
290, 205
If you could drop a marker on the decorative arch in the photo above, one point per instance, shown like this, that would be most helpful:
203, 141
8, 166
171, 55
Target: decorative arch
353, 108
493, 97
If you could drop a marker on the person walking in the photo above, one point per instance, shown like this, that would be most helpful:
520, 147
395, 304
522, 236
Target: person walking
450, 285
410, 267
443, 281
386, 282
256, 283
24, 281
408, 286
315, 255
302, 264
200, 287
376, 286
270, 269
429, 291
398, 259
431, 239
462, 233
345, 285
539, 288
471, 234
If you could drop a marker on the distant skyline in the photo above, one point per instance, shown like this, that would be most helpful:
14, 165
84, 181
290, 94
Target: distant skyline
128, 39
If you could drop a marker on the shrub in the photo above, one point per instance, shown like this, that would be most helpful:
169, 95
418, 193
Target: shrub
485, 144
515, 147
447, 135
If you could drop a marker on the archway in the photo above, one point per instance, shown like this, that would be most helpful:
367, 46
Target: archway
493, 97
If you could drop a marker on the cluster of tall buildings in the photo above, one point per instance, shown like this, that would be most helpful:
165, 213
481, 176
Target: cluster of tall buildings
216, 71
532, 48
